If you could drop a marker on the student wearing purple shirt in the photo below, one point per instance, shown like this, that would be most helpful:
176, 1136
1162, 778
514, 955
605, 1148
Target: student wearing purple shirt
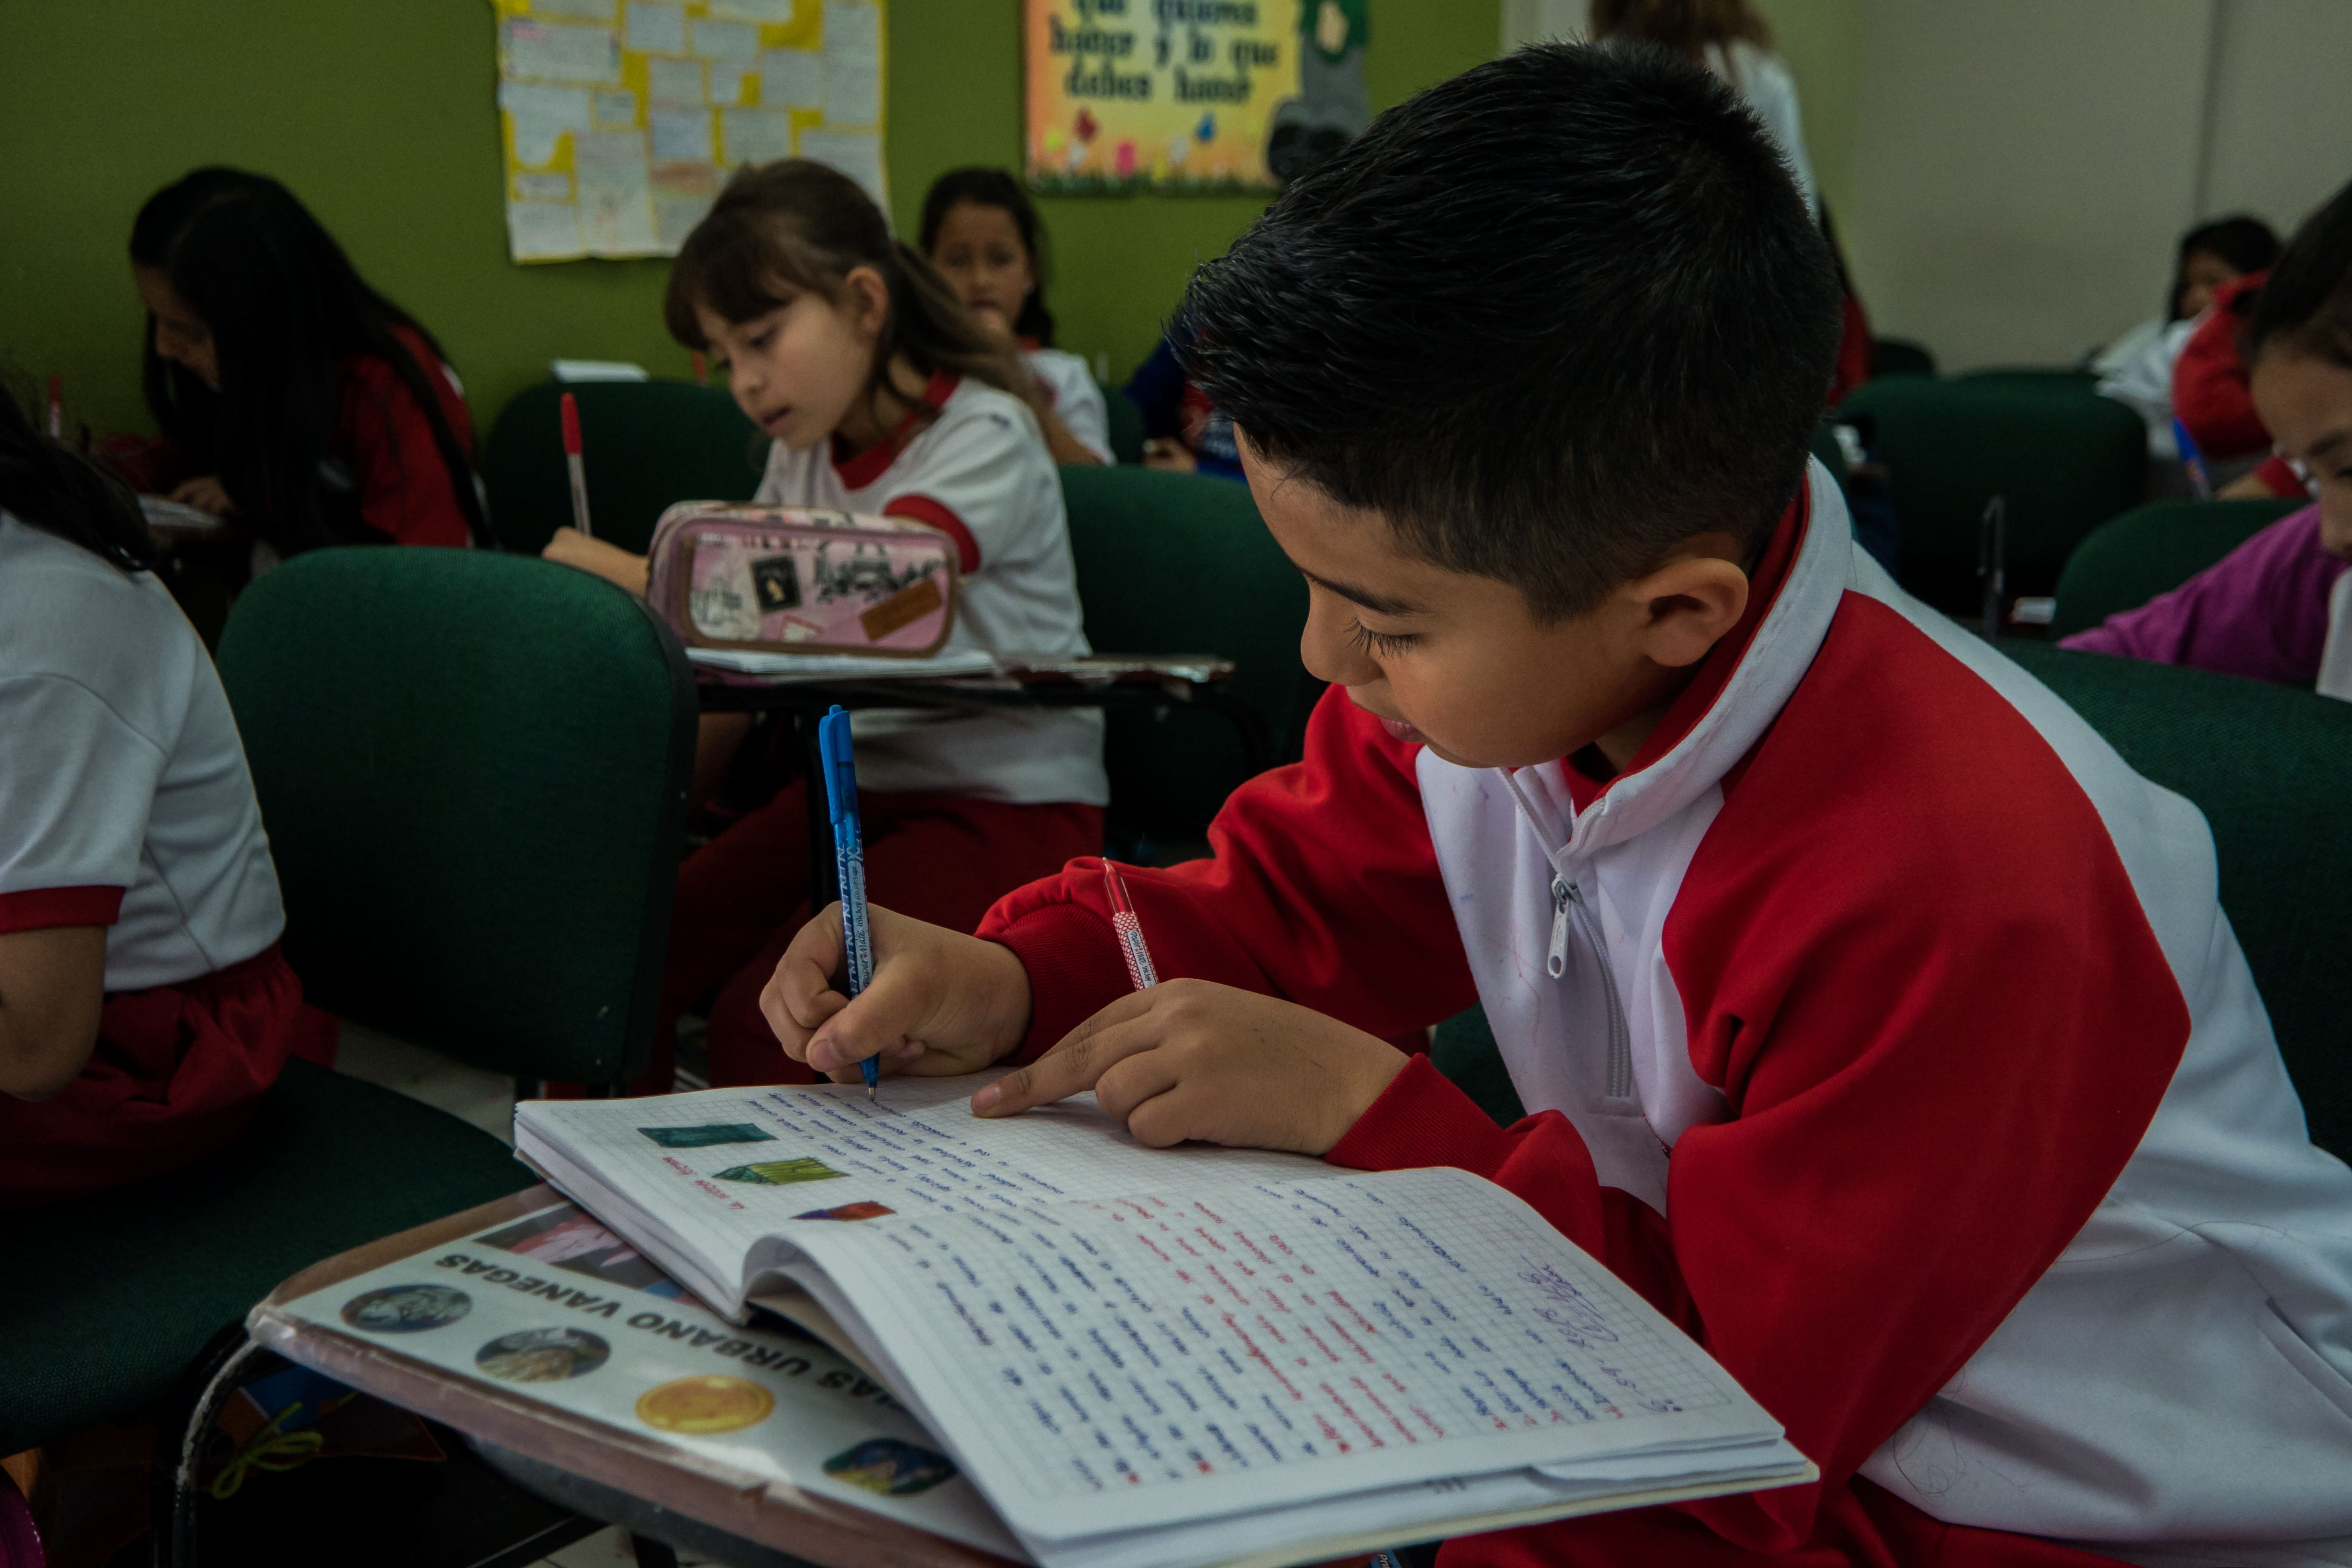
2279, 607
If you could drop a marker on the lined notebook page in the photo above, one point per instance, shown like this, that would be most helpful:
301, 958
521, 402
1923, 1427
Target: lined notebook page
722, 1168
1210, 1348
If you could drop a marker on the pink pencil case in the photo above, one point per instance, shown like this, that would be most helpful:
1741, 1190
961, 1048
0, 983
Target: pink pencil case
789, 579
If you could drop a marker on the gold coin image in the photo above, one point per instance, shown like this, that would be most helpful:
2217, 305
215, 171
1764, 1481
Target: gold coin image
700, 1406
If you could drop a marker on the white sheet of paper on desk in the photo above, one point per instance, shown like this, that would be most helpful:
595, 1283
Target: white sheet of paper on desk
553, 52
836, 666
540, 115
755, 135
587, 10
673, 82
683, 134
725, 40
855, 155
616, 108
775, 13
792, 78
557, 1291
542, 187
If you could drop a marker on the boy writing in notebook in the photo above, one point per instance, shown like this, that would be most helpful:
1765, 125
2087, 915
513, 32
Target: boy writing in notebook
1876, 1021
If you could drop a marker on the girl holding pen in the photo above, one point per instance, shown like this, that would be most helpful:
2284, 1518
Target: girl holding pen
883, 396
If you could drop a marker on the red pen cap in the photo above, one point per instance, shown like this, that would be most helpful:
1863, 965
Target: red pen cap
571, 426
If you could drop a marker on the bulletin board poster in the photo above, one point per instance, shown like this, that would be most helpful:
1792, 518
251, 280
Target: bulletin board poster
620, 119
1156, 94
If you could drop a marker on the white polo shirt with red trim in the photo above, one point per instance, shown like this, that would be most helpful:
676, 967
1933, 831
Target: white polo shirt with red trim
125, 799
1077, 397
979, 472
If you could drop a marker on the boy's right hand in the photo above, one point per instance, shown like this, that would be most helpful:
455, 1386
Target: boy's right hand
942, 1003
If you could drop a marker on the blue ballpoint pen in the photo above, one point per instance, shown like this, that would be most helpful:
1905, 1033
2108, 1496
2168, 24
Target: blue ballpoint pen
848, 860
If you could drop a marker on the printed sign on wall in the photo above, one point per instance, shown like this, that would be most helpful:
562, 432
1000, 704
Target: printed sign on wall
1186, 94
621, 119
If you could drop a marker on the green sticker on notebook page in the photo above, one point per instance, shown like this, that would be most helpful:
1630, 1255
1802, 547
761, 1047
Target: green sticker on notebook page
706, 1134
780, 1173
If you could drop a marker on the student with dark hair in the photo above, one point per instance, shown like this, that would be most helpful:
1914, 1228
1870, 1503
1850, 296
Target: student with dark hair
2136, 368
296, 396
884, 397
2279, 607
143, 1005
982, 233
1876, 1021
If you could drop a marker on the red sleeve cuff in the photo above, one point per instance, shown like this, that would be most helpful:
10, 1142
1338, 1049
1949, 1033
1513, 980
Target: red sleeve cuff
2281, 480
1421, 1119
1074, 969
924, 510
42, 909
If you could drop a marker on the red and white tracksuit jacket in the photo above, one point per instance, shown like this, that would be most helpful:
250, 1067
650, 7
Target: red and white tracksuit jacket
1884, 1030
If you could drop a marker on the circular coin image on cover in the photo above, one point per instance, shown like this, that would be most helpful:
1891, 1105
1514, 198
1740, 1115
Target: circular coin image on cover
700, 1407
542, 1356
407, 1309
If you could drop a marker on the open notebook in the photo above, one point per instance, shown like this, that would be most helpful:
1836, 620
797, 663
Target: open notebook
1159, 1358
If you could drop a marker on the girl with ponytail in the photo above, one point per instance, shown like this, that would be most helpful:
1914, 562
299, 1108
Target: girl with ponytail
883, 395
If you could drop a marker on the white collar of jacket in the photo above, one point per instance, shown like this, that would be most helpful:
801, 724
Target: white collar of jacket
1744, 704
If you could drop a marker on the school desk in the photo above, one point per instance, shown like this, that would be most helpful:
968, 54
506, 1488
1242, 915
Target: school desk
1127, 683
627, 1479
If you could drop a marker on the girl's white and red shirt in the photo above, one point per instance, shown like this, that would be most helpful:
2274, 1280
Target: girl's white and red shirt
124, 798
1882, 1026
977, 471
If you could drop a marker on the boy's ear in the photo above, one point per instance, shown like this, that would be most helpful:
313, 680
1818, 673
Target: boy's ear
1685, 607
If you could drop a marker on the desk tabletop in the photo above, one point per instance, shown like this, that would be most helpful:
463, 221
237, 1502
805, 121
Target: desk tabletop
747, 1508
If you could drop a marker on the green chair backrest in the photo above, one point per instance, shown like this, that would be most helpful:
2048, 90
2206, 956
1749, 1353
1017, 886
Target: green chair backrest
2033, 378
1126, 425
473, 771
643, 445
1899, 356
2151, 549
2066, 459
2268, 765
1178, 564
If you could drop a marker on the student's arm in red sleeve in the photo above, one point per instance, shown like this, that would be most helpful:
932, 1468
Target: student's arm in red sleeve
1930, 1092
2209, 392
1323, 889
406, 492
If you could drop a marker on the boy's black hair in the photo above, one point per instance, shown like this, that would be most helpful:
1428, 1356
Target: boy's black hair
1549, 319
2305, 306
984, 187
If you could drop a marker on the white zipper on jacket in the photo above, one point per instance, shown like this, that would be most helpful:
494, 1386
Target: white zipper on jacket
1618, 1088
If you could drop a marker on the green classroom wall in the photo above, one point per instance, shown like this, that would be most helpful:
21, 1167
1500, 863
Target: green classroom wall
381, 117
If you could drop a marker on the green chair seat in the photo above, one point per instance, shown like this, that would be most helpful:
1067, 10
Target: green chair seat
643, 445
1179, 563
2064, 459
2152, 550
129, 1285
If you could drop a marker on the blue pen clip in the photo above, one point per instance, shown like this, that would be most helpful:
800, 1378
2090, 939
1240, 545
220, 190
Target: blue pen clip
840, 771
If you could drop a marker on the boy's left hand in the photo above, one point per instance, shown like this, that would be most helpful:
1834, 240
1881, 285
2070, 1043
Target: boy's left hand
1190, 1059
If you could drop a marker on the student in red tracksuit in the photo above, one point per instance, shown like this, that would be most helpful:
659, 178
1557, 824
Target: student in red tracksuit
1877, 1022
296, 399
